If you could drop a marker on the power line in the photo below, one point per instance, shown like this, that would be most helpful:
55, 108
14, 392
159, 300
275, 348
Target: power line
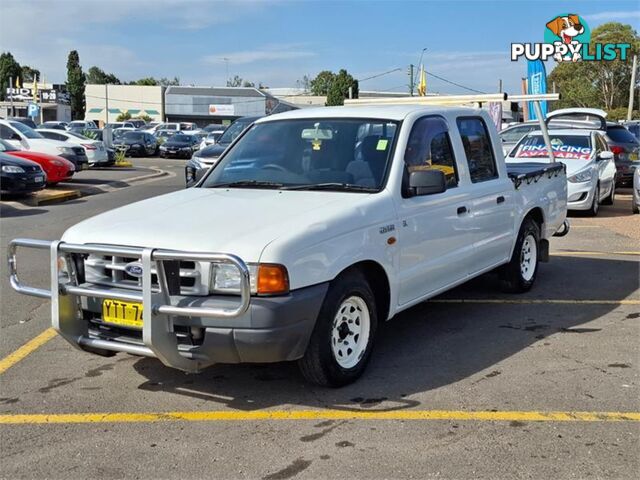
378, 75
453, 83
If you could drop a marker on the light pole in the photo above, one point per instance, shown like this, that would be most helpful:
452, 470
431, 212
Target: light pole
226, 65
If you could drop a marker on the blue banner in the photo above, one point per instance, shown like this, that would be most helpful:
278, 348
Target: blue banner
536, 84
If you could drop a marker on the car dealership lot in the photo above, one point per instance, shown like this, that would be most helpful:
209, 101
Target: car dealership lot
464, 386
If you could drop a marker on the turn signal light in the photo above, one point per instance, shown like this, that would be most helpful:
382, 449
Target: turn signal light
273, 279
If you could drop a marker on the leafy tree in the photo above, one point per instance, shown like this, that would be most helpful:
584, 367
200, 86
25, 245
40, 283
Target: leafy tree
603, 84
339, 89
167, 82
75, 85
8, 68
124, 116
29, 74
148, 81
97, 76
236, 81
144, 117
321, 83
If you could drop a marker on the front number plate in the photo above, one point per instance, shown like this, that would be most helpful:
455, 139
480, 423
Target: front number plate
127, 314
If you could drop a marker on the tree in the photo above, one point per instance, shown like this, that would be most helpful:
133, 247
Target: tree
144, 117
97, 76
148, 81
166, 82
603, 84
123, 117
321, 83
8, 68
304, 83
339, 89
75, 85
29, 74
236, 81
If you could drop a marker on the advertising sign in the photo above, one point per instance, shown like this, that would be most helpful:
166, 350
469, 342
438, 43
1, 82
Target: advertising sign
223, 110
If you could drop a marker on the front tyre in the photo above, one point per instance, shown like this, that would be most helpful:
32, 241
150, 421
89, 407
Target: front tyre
519, 274
595, 205
342, 339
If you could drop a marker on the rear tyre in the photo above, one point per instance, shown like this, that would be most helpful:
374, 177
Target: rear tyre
343, 337
612, 195
520, 273
595, 205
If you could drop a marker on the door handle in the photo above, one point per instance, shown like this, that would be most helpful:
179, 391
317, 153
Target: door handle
462, 210
500, 199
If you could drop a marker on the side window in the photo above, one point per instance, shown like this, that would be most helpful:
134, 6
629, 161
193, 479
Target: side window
477, 148
429, 147
602, 144
5, 132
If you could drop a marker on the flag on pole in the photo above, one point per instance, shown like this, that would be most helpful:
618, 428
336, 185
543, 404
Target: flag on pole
536, 84
17, 82
35, 89
422, 86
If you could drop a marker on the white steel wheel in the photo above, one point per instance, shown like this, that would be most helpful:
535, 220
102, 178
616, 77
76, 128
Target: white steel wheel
528, 258
350, 332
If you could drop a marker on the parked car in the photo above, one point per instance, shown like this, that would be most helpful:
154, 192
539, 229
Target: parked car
163, 135
114, 125
136, 142
94, 149
82, 125
19, 176
138, 123
214, 127
172, 126
634, 127
57, 169
211, 139
591, 170
25, 138
635, 203
306, 235
208, 156
511, 135
179, 145
626, 148
54, 125
24, 120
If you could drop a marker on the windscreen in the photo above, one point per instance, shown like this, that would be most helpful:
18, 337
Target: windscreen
621, 135
25, 130
137, 136
564, 146
233, 132
310, 153
181, 138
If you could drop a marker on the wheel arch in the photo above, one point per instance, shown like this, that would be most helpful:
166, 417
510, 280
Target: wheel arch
378, 280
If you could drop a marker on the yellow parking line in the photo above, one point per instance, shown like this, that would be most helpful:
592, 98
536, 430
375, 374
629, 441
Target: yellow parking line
535, 301
28, 348
261, 415
584, 252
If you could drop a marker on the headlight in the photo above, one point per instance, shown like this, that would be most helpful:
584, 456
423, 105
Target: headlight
12, 169
66, 150
264, 279
57, 163
162, 147
581, 177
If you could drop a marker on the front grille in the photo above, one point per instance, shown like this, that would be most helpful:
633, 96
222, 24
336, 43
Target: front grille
110, 270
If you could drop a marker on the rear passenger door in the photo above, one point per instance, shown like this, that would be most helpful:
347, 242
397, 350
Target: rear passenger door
490, 206
435, 239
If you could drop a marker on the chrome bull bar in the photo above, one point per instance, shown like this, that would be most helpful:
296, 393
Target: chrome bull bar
157, 330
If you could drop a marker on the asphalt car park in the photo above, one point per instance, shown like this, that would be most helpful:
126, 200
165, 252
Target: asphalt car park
473, 384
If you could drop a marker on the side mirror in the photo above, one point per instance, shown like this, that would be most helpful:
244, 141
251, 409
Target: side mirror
605, 155
427, 182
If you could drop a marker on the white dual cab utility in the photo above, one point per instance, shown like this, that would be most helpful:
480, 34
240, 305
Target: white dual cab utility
577, 138
314, 226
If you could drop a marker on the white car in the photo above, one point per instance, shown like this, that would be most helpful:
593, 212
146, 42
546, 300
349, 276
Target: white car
211, 138
314, 226
94, 149
81, 124
114, 125
591, 170
175, 126
25, 138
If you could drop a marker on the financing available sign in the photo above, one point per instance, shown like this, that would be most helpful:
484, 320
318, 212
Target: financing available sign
222, 109
567, 37
559, 151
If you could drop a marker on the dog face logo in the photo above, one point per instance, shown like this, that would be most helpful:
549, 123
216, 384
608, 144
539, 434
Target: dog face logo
567, 29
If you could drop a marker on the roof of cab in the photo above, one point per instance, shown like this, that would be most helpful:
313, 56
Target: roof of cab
387, 112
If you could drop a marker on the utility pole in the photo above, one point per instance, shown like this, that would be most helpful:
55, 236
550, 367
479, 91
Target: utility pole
411, 84
500, 85
106, 103
632, 87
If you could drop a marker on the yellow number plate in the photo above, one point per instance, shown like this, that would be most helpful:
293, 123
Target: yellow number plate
633, 157
127, 314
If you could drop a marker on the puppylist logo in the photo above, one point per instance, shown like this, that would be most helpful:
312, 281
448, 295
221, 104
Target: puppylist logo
566, 38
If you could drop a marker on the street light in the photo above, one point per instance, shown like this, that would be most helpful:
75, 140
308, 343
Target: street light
226, 64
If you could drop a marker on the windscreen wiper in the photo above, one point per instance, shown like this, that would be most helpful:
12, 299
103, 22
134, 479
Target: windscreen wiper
247, 183
333, 186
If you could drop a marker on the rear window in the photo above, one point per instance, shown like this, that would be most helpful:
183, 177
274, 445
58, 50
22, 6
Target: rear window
621, 135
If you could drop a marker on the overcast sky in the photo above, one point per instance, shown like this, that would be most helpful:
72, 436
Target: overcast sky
277, 42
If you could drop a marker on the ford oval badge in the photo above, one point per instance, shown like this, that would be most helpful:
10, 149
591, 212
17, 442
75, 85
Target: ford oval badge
134, 269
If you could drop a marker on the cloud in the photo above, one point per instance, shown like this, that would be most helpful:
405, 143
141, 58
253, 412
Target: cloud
266, 53
613, 15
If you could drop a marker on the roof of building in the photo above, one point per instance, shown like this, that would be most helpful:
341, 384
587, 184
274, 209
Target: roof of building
216, 91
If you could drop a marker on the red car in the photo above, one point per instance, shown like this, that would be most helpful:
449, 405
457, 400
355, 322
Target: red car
57, 168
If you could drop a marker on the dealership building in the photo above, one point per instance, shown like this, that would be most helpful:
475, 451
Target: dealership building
201, 105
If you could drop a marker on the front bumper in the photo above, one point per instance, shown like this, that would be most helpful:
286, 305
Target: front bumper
228, 329
176, 153
580, 195
22, 182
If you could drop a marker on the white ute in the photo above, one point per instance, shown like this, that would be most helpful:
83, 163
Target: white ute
314, 226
